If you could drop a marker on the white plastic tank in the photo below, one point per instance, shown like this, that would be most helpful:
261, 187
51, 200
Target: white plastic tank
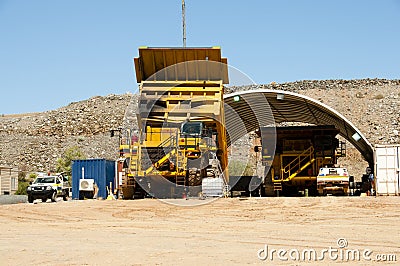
212, 187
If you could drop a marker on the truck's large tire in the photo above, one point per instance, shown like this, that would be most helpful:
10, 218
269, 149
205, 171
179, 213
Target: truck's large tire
127, 188
65, 194
30, 199
54, 196
194, 179
128, 192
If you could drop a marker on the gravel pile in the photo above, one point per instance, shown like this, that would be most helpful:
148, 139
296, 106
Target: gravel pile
35, 141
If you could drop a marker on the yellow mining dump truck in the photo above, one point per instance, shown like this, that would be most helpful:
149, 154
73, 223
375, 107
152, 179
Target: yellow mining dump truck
300, 153
182, 137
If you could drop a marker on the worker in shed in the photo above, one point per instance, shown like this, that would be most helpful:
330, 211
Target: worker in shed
371, 181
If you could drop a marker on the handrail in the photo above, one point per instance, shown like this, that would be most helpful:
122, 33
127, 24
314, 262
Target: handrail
221, 175
296, 163
168, 141
160, 161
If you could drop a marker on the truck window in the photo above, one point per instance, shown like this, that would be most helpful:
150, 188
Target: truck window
333, 171
48, 180
192, 128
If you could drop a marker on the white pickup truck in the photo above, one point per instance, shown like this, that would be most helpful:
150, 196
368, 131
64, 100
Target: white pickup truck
333, 181
48, 187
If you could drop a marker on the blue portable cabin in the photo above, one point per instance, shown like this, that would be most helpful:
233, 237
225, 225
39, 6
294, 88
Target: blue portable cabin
101, 170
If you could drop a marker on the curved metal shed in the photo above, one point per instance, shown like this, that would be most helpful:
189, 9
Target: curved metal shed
284, 106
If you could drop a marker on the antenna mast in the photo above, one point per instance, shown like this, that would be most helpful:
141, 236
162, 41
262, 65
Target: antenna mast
183, 23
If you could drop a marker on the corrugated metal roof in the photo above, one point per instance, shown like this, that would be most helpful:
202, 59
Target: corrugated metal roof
254, 108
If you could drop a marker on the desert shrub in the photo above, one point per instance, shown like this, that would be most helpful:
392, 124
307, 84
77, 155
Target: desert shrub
22, 188
64, 164
239, 168
23, 182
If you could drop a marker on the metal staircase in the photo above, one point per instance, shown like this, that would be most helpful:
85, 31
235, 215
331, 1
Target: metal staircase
301, 162
218, 174
160, 154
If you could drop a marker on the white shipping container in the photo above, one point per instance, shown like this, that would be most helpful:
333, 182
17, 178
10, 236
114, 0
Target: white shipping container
387, 169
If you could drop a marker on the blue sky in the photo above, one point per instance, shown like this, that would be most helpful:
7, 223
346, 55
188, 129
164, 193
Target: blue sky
53, 52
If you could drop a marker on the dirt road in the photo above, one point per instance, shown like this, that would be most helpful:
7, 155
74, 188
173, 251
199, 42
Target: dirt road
224, 232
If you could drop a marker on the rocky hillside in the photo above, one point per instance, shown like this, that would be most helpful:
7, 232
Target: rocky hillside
34, 141
372, 105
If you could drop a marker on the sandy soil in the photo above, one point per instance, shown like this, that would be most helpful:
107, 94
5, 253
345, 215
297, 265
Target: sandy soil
224, 232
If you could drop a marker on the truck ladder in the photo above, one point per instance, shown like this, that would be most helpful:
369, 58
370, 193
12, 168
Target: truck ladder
180, 180
133, 164
277, 186
341, 150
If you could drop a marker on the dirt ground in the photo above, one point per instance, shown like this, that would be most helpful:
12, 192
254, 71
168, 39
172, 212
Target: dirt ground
229, 231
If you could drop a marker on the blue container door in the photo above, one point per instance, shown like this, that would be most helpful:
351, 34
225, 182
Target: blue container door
110, 174
101, 170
